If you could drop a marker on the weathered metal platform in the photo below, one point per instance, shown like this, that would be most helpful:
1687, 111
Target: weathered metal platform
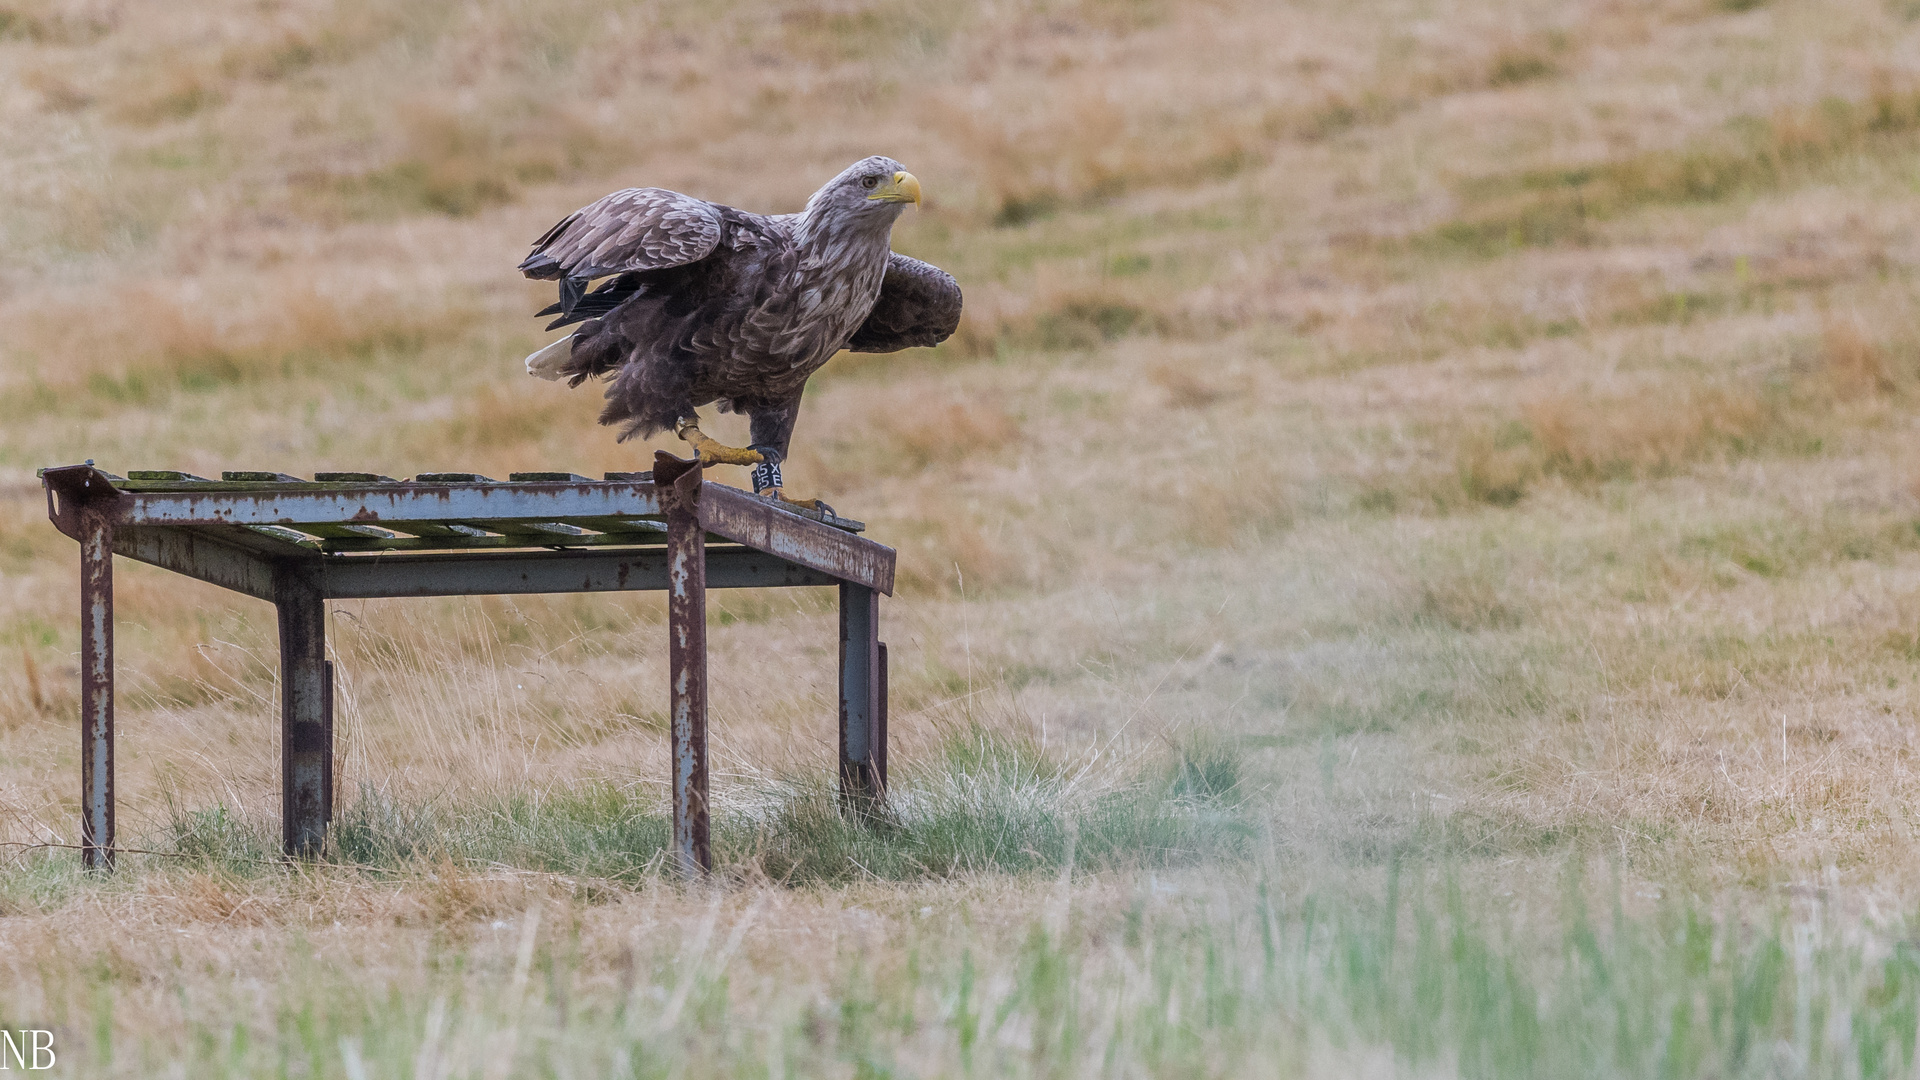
299, 543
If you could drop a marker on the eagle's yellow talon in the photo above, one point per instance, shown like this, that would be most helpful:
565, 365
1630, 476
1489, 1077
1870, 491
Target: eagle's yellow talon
716, 453
780, 495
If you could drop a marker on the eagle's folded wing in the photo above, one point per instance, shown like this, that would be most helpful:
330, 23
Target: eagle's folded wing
633, 229
919, 305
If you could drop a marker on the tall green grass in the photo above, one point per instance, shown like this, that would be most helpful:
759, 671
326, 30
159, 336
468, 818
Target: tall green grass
988, 802
1240, 964
1233, 977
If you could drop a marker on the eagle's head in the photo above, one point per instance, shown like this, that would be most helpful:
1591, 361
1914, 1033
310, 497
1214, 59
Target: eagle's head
874, 190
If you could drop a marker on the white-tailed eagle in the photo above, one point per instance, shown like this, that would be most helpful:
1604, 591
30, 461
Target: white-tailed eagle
707, 303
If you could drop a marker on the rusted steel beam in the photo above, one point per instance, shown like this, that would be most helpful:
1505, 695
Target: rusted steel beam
72, 487
197, 555
306, 714
861, 781
376, 504
548, 572
96, 686
680, 488
757, 523
880, 711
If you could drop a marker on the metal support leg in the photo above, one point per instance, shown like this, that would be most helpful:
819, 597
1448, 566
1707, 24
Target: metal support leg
880, 728
679, 482
306, 716
96, 690
861, 747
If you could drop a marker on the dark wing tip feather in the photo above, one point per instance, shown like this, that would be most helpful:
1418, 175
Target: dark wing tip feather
541, 267
601, 301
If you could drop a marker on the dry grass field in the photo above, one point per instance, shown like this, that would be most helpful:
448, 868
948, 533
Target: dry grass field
1411, 566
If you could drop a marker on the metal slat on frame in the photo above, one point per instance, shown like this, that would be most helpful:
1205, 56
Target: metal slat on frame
485, 543
389, 505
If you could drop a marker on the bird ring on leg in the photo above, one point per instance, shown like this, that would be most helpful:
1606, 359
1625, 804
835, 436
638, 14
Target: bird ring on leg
766, 475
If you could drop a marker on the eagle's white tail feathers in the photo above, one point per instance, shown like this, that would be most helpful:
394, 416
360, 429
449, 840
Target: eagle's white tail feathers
548, 362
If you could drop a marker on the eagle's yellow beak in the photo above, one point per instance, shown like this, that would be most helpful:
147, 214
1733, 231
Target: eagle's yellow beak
904, 187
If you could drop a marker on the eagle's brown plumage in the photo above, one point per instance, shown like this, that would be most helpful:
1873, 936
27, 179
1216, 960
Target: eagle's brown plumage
707, 303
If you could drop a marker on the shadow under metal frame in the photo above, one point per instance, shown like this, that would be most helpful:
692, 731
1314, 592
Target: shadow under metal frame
298, 544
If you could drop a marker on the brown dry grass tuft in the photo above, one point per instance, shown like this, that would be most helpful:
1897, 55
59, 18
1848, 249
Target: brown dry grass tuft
1749, 156
1244, 503
66, 24
1652, 431
459, 161
1521, 62
56, 93
1590, 436
1469, 601
1090, 150
953, 553
1854, 364
495, 419
160, 338
1186, 389
922, 434
176, 94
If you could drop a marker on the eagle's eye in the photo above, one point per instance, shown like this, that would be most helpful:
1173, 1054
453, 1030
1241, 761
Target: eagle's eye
869, 182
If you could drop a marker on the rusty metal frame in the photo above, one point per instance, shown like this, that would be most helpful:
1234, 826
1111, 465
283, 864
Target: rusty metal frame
298, 544
96, 687
679, 486
860, 679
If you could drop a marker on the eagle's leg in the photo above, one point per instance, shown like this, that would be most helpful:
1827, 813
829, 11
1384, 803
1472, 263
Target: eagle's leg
773, 421
711, 452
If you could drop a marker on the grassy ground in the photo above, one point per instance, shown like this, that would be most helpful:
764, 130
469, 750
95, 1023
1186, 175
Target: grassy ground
1410, 566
